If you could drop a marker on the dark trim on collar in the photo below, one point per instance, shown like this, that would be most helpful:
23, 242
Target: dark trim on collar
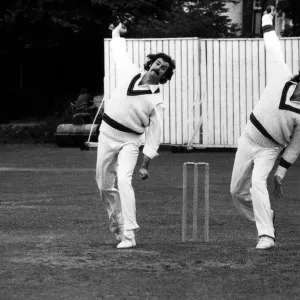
132, 92
282, 104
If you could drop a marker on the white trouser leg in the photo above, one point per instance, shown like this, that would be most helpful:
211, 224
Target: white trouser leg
252, 166
263, 164
126, 163
106, 171
241, 178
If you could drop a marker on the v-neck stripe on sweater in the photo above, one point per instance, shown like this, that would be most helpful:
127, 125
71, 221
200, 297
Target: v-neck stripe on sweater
132, 92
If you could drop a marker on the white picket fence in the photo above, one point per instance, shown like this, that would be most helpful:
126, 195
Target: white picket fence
217, 81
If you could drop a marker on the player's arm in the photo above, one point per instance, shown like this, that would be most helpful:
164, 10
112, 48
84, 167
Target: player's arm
291, 153
119, 51
152, 140
275, 61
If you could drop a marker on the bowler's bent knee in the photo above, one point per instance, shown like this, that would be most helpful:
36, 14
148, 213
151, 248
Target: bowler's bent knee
243, 202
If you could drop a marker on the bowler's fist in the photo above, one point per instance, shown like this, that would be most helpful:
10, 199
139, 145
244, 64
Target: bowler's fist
120, 30
270, 10
143, 173
278, 191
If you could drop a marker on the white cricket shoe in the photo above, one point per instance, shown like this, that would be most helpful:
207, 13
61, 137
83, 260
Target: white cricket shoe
127, 243
265, 242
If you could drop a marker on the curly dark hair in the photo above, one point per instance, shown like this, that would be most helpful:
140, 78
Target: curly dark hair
151, 58
296, 78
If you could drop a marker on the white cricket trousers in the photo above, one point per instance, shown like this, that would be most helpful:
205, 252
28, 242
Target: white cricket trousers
251, 169
116, 159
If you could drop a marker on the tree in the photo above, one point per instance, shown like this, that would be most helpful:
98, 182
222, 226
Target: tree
178, 18
291, 9
56, 46
69, 23
48, 23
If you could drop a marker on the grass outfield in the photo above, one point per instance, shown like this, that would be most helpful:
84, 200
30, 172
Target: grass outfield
55, 242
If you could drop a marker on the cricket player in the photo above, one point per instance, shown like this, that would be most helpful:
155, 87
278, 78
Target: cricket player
132, 115
274, 125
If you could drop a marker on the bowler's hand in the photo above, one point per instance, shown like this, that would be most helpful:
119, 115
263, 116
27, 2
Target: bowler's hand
120, 30
143, 173
270, 10
278, 191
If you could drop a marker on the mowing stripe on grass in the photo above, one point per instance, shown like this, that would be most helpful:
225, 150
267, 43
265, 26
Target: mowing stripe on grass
8, 169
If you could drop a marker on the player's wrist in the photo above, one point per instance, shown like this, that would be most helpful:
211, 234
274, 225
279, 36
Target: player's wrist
278, 179
280, 172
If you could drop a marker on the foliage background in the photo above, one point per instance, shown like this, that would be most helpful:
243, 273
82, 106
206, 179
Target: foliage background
291, 8
52, 48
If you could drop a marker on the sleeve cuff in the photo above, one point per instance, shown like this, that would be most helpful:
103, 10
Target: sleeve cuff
280, 171
149, 152
283, 163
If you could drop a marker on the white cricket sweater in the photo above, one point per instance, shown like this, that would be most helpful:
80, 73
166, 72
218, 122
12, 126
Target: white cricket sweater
132, 105
275, 120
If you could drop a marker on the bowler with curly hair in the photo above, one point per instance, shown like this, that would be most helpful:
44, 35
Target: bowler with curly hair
132, 117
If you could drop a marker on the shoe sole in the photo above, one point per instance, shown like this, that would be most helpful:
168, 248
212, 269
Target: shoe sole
126, 247
268, 248
132, 246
